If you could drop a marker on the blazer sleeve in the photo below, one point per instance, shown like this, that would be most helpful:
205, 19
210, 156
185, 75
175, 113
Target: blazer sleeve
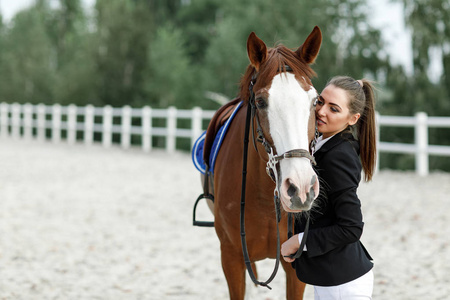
340, 172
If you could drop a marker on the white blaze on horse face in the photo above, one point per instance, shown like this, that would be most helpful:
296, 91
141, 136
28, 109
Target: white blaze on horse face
288, 114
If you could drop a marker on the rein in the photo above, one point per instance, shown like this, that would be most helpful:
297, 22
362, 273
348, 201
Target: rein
271, 170
242, 219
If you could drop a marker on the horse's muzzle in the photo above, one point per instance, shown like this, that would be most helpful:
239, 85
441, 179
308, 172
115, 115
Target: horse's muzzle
299, 198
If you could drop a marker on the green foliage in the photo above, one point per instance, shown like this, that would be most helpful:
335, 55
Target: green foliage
123, 31
26, 60
69, 32
170, 77
429, 23
344, 26
170, 52
160, 53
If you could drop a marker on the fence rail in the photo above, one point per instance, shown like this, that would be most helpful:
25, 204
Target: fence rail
43, 121
30, 121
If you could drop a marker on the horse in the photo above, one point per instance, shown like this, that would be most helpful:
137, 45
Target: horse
284, 120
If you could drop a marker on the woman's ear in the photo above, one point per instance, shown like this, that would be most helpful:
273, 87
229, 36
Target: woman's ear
354, 119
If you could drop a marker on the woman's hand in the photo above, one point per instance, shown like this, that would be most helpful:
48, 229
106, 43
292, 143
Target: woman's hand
290, 247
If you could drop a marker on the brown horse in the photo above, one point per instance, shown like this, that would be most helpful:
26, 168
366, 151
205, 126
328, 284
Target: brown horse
283, 97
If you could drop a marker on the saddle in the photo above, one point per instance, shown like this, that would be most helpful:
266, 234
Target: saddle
206, 148
218, 120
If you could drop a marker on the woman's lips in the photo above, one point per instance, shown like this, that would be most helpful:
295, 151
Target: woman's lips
319, 121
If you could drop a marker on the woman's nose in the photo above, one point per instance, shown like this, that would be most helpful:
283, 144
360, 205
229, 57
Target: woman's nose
319, 110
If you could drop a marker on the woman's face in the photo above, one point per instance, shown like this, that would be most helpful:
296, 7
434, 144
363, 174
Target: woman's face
332, 111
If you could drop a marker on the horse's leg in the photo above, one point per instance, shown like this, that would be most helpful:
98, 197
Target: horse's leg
294, 287
234, 270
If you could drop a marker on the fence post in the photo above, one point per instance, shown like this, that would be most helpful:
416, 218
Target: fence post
196, 124
126, 127
71, 124
4, 119
56, 123
41, 126
15, 122
88, 124
27, 121
146, 128
421, 137
171, 129
107, 126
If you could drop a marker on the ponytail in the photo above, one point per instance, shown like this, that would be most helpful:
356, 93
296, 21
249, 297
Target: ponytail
366, 128
361, 100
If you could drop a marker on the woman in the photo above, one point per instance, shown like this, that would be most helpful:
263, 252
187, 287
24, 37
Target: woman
334, 260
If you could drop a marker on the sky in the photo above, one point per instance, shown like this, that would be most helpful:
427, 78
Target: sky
10, 7
386, 16
389, 18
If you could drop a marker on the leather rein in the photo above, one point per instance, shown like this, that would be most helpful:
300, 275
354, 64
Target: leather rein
271, 169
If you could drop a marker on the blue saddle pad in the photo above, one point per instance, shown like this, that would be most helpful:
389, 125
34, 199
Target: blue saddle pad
197, 150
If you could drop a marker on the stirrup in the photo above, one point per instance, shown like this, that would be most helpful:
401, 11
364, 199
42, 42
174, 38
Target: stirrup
202, 223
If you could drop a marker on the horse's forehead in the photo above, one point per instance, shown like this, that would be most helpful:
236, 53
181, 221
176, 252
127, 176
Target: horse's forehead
286, 83
288, 112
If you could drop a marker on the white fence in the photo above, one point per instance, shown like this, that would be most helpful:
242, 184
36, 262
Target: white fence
421, 148
41, 121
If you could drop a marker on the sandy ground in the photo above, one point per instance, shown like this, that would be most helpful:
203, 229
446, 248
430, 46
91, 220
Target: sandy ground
81, 222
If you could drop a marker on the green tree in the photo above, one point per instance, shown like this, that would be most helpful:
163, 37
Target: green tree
170, 77
74, 51
429, 23
165, 11
27, 64
197, 21
350, 46
123, 34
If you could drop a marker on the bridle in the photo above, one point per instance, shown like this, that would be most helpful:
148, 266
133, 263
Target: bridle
272, 171
273, 158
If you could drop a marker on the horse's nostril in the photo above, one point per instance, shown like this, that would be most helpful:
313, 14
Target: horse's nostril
292, 190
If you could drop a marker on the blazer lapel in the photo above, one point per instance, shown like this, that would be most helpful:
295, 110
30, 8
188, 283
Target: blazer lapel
333, 142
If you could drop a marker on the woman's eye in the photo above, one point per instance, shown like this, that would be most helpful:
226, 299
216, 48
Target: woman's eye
319, 102
334, 109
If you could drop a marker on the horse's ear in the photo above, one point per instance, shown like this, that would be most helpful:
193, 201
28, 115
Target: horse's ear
310, 48
256, 50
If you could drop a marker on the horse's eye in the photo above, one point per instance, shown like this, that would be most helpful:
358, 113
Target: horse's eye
261, 103
315, 101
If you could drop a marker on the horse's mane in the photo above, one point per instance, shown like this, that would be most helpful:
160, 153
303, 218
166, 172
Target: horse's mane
277, 58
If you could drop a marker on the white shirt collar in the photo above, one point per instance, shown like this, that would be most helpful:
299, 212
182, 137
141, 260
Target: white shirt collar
320, 142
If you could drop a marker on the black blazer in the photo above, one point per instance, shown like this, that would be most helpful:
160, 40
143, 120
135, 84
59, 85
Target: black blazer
334, 253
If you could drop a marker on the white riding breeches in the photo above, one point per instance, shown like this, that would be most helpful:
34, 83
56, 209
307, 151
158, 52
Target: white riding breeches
359, 289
